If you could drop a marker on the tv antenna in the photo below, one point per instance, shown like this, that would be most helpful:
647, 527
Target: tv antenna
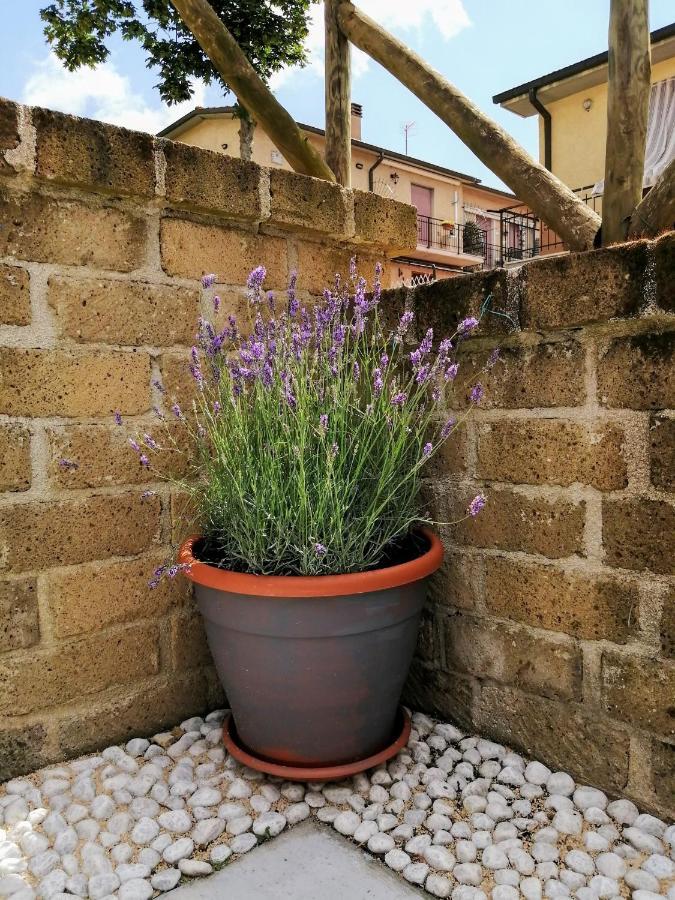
407, 129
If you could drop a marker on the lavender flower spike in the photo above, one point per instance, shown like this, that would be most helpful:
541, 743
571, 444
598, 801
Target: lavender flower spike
323, 422
426, 450
476, 505
208, 280
319, 549
118, 418
447, 428
467, 325
477, 393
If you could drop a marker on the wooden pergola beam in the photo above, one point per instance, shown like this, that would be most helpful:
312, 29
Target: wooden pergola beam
545, 194
656, 211
627, 114
251, 91
338, 97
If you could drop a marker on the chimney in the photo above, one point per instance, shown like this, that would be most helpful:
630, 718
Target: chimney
357, 115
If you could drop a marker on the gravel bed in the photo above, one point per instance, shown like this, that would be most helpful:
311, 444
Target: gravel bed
460, 816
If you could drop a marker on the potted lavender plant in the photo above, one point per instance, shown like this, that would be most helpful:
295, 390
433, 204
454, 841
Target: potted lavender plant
311, 555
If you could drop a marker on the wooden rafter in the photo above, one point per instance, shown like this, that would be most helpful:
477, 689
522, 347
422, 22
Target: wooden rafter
338, 97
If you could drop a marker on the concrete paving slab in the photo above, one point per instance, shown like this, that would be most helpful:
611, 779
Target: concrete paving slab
305, 863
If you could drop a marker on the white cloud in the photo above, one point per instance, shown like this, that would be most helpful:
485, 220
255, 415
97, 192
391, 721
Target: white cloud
449, 17
101, 93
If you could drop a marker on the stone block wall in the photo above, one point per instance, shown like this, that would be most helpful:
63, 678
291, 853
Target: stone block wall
551, 625
104, 235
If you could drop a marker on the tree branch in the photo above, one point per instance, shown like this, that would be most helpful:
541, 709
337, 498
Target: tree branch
656, 211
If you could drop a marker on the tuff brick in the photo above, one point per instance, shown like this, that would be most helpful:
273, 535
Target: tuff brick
664, 271
73, 383
448, 695
15, 468
97, 310
451, 458
19, 620
639, 690
102, 456
549, 451
44, 229
190, 250
561, 734
638, 372
663, 776
455, 584
511, 521
545, 375
14, 296
135, 711
318, 264
639, 534
177, 380
23, 749
189, 648
587, 606
214, 182
9, 132
514, 656
54, 676
92, 596
384, 222
583, 288
88, 153
668, 625
662, 452
429, 640
39, 535
308, 204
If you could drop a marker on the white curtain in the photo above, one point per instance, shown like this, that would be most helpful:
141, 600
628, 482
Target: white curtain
660, 147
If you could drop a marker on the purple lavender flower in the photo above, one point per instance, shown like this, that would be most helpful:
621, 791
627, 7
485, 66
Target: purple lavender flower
356, 371
323, 422
404, 324
378, 383
425, 345
216, 407
158, 384
143, 460
208, 280
423, 374
319, 549
118, 418
293, 303
447, 428
198, 376
267, 374
399, 398
436, 394
384, 360
254, 283
476, 505
426, 450
493, 358
176, 410
467, 325
134, 445
150, 442
147, 494
68, 464
477, 393
352, 268
158, 412
216, 303
451, 372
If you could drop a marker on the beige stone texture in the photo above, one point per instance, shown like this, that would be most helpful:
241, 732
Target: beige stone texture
511, 521
561, 734
92, 596
97, 310
448, 695
191, 249
639, 690
638, 372
545, 375
23, 748
9, 132
73, 383
77, 668
213, 182
663, 776
308, 205
662, 452
92, 154
513, 656
177, 380
15, 465
19, 618
318, 264
14, 296
45, 229
456, 583
39, 535
549, 451
189, 649
386, 223
667, 629
639, 534
584, 605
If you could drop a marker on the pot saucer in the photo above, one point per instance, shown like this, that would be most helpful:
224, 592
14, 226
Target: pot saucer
315, 773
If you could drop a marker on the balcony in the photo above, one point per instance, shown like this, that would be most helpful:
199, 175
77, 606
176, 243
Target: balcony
442, 241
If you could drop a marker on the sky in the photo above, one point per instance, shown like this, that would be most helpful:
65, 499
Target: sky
482, 46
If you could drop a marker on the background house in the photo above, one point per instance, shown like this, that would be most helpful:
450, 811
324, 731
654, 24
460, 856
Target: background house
458, 218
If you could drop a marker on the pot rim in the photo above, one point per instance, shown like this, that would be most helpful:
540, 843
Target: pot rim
311, 585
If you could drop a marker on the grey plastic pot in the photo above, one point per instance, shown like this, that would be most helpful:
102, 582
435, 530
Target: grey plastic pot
313, 667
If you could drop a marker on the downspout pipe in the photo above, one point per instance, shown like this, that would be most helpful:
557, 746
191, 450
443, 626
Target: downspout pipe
377, 162
546, 116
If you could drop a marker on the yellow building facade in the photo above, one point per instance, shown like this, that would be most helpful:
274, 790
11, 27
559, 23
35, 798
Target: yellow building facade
446, 200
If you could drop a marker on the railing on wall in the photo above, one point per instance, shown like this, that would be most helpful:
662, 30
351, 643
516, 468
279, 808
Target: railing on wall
443, 235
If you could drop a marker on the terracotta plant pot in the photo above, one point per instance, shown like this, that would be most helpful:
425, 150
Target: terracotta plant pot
313, 667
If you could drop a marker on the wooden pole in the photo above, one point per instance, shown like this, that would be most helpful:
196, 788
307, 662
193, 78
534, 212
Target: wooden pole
251, 91
627, 113
656, 211
338, 98
546, 195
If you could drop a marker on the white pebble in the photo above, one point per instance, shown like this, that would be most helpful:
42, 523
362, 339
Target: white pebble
439, 858
416, 873
346, 823
381, 843
176, 820
468, 873
659, 866
437, 885
560, 783
242, 843
195, 867
166, 880
585, 797
397, 860
100, 886
504, 892
531, 888
180, 849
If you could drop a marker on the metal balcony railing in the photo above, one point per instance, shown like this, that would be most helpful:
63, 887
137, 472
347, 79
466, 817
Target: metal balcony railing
443, 235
